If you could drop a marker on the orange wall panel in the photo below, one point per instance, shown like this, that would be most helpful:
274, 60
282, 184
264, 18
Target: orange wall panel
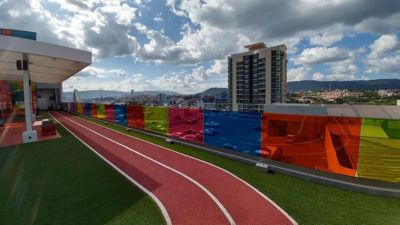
319, 142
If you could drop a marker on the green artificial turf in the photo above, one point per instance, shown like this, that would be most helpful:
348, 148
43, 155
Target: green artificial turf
306, 202
62, 182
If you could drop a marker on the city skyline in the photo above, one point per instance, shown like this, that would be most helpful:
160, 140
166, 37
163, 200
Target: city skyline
182, 46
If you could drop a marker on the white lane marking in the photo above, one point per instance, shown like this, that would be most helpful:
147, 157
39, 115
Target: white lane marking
219, 204
205, 162
145, 190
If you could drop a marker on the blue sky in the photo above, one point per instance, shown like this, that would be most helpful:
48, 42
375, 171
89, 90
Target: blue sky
182, 45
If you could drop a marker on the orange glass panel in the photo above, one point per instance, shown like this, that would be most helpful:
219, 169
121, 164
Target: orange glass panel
319, 142
93, 110
135, 114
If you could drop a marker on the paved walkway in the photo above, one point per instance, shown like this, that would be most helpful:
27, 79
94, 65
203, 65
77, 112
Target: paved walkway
11, 134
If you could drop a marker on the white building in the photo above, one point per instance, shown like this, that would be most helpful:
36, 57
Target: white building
257, 77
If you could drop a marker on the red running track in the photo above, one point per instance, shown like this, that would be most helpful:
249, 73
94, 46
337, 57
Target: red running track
188, 190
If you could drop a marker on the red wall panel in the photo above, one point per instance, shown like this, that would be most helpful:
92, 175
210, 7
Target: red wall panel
109, 112
135, 116
186, 124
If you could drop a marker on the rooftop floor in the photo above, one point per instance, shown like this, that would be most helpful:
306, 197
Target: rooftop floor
11, 133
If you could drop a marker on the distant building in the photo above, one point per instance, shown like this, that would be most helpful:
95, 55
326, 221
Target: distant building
140, 99
76, 97
221, 97
162, 98
335, 94
385, 93
257, 77
398, 102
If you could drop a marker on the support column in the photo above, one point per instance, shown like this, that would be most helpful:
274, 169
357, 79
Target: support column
29, 135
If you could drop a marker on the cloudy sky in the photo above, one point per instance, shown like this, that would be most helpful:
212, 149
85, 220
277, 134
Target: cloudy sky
182, 45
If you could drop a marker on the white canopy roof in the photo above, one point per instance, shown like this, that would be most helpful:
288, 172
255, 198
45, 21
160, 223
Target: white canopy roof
48, 63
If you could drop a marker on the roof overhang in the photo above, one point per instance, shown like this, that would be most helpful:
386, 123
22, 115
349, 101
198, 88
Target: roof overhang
48, 63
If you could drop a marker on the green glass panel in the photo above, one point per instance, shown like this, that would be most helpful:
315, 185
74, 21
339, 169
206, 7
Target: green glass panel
379, 154
14, 86
100, 111
156, 119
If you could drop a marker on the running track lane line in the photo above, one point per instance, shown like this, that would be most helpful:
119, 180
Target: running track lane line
219, 204
164, 211
207, 163
185, 202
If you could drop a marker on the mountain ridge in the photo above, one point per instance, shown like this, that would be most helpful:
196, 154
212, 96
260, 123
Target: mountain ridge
293, 86
92, 94
358, 85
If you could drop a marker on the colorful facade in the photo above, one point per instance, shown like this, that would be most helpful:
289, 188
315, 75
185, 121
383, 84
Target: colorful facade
358, 147
12, 98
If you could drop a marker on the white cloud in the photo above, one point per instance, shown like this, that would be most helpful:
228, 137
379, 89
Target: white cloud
229, 20
141, 2
303, 73
101, 72
104, 27
14, 15
320, 55
213, 30
219, 67
384, 44
390, 64
346, 66
338, 70
332, 77
340, 62
380, 25
340, 77
326, 38
158, 18
198, 79
297, 74
318, 76
384, 56
74, 5
136, 82
160, 48
194, 47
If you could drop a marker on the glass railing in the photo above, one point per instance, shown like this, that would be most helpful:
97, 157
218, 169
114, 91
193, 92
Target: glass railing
342, 145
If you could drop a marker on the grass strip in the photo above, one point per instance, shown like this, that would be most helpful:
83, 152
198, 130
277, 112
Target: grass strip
61, 181
306, 202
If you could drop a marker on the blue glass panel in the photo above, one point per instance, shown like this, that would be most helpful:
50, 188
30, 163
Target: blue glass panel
73, 107
233, 130
87, 109
18, 33
120, 114
24, 34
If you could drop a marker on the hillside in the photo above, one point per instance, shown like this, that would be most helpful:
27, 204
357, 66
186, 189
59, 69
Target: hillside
294, 86
362, 85
213, 91
92, 94
312, 85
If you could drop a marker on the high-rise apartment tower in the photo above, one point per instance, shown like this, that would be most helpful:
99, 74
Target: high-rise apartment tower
257, 77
